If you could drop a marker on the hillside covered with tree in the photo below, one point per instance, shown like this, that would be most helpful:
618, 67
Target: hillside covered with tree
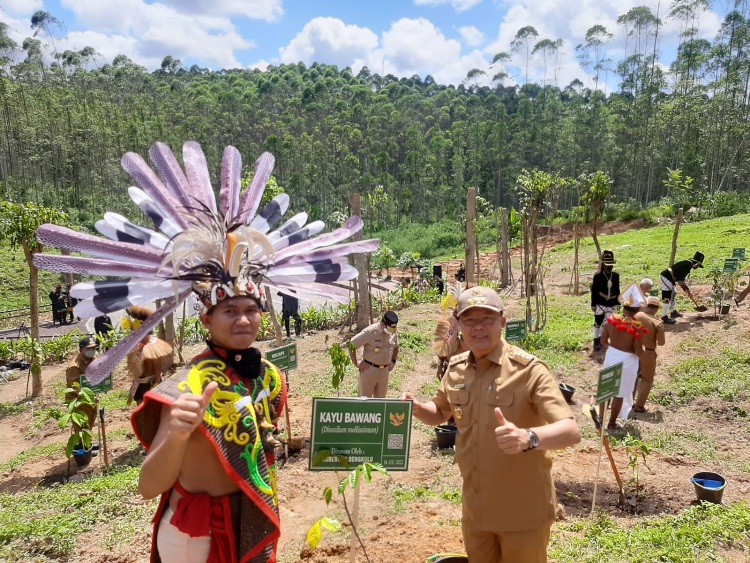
410, 144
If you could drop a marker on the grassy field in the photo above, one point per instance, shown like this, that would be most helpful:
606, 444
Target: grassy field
41, 524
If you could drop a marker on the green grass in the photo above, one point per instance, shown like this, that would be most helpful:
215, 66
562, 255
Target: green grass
113, 400
726, 377
645, 253
403, 496
695, 536
45, 522
12, 409
32, 454
691, 444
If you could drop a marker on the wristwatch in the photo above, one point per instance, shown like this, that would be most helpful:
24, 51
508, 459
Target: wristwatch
533, 440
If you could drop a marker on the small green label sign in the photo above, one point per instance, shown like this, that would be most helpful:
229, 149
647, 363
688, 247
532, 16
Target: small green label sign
284, 358
102, 387
731, 265
515, 331
609, 383
359, 431
738, 253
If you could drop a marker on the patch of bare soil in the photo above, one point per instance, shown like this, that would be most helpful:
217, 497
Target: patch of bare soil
431, 525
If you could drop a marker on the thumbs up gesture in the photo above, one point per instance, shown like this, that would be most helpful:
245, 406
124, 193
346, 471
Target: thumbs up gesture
510, 439
188, 410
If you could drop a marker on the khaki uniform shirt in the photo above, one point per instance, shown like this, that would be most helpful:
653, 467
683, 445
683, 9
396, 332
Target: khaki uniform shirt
73, 373
378, 344
502, 492
655, 335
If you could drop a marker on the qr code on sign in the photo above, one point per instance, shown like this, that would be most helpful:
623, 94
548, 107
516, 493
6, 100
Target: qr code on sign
395, 441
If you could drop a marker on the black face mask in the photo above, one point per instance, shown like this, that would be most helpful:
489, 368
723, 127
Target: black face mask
608, 268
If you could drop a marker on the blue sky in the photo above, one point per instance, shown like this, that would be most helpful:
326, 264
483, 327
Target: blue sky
442, 38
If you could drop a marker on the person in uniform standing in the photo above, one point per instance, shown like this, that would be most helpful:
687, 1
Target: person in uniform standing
652, 337
605, 289
87, 348
670, 278
509, 412
380, 352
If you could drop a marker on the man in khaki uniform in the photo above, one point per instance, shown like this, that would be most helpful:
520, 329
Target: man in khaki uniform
87, 348
380, 343
509, 411
651, 339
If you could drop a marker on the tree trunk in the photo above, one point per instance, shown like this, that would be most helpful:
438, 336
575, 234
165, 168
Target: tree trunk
36, 362
274, 319
362, 293
505, 259
673, 255
576, 244
471, 206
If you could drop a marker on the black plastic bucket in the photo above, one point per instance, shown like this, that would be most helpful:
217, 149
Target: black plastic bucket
709, 487
445, 434
567, 392
448, 558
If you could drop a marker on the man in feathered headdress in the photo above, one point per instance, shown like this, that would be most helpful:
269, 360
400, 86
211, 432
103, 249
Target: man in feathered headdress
206, 428
622, 339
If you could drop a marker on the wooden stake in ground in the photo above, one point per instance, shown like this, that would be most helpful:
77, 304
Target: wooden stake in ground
471, 210
103, 430
355, 523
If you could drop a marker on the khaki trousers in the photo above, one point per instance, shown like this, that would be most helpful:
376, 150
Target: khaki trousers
645, 377
373, 382
527, 546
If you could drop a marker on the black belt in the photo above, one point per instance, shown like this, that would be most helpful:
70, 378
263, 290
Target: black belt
375, 365
650, 349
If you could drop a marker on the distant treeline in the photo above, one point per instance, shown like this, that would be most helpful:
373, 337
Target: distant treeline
411, 146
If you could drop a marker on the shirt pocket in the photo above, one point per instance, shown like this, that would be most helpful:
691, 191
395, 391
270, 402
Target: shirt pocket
505, 399
460, 406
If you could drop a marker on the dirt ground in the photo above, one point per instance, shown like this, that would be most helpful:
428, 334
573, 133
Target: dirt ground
432, 525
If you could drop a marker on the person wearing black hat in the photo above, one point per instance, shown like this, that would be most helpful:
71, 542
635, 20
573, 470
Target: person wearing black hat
605, 289
87, 348
380, 352
670, 278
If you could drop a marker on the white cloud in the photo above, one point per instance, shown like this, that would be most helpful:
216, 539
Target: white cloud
331, 41
553, 20
416, 46
472, 36
22, 7
148, 32
458, 5
266, 10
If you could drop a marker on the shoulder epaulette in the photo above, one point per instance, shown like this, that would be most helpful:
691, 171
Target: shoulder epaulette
458, 358
521, 356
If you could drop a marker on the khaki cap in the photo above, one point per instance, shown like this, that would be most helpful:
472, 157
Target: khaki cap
479, 297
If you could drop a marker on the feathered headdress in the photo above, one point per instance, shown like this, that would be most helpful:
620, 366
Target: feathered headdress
215, 251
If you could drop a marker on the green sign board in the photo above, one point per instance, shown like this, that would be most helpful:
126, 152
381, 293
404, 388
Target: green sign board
609, 383
101, 387
284, 358
731, 265
738, 253
515, 331
359, 431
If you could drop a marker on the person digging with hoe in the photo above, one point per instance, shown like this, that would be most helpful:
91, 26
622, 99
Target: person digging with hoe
509, 412
670, 278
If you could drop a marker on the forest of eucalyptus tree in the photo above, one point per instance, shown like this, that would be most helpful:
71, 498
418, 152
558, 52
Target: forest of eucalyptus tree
68, 117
